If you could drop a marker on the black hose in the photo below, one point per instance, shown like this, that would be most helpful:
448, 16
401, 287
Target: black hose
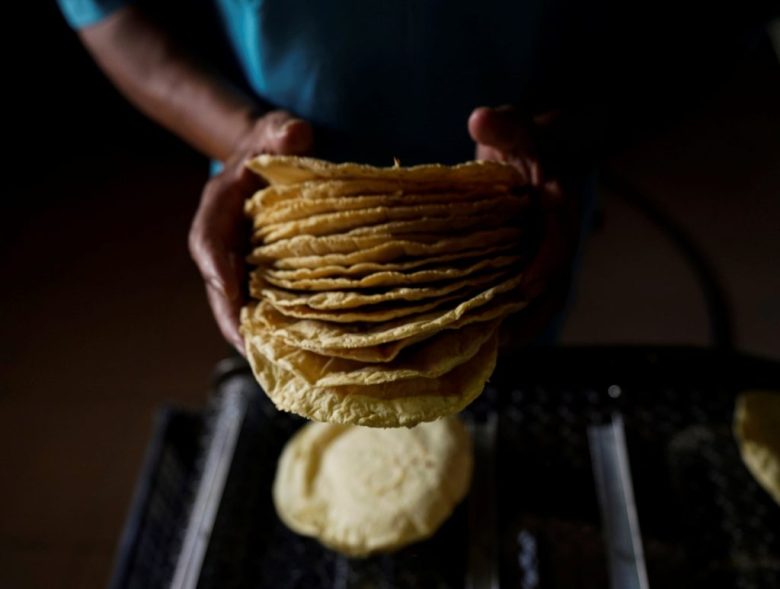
719, 307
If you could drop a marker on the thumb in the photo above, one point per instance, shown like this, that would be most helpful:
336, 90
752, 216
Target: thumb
288, 136
501, 128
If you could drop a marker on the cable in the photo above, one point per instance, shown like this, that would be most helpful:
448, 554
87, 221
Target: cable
716, 299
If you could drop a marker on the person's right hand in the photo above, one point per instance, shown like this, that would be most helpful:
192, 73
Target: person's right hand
218, 239
503, 134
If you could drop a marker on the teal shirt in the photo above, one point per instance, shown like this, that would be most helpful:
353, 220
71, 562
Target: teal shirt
383, 79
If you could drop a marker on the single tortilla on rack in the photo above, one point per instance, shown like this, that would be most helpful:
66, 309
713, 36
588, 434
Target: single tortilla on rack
362, 491
757, 429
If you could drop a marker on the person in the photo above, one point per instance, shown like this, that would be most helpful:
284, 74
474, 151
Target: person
368, 82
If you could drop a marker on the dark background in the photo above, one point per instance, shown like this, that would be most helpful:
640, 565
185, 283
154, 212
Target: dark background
104, 317
658, 60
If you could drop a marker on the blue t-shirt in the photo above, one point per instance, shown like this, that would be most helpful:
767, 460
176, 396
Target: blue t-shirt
385, 79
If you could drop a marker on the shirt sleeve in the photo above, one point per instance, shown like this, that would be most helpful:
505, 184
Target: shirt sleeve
82, 13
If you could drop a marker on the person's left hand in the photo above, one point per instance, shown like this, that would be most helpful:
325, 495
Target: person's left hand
501, 134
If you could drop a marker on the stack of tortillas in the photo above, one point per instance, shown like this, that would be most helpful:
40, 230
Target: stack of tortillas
377, 293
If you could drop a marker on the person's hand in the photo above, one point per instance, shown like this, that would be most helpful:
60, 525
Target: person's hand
501, 134
218, 237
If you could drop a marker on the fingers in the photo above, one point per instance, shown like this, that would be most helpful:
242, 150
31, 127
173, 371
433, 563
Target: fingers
220, 268
500, 128
502, 135
215, 238
223, 276
227, 313
283, 134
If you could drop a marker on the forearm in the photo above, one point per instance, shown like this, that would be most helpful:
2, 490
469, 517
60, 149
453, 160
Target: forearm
170, 87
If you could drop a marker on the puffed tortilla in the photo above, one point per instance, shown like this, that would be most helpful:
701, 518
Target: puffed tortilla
361, 491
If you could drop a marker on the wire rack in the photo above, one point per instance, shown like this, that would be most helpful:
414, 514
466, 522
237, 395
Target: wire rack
704, 520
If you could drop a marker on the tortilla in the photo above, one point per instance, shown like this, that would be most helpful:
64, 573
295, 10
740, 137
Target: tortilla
392, 279
402, 265
371, 314
306, 251
339, 222
391, 404
757, 429
428, 226
303, 208
380, 342
430, 358
324, 336
283, 170
361, 491
341, 300
319, 189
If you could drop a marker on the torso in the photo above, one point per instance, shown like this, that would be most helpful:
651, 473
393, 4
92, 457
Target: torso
386, 79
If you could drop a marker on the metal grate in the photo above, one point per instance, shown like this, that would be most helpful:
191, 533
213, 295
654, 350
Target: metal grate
704, 521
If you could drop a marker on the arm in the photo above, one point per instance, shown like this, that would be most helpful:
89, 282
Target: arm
167, 85
173, 89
